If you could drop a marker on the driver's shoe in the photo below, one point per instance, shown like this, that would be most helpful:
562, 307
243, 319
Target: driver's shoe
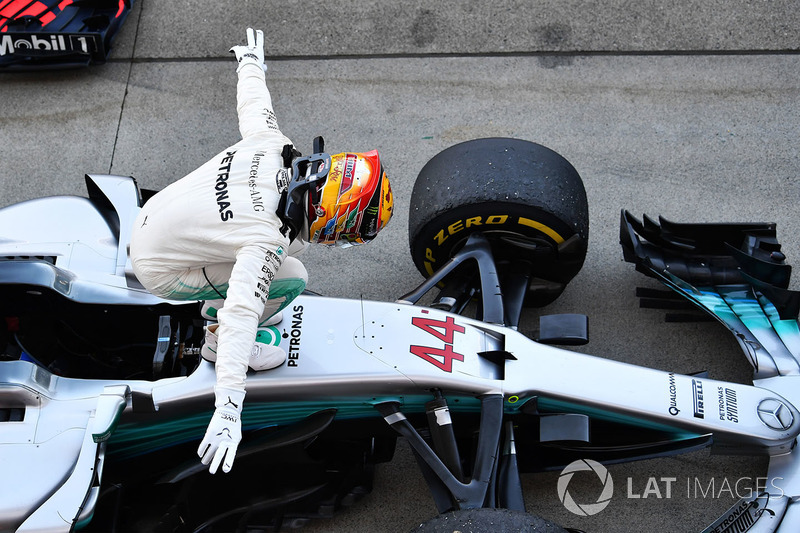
210, 308
263, 356
208, 350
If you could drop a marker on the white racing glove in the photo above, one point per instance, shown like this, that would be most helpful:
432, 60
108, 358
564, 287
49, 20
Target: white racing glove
224, 431
252, 52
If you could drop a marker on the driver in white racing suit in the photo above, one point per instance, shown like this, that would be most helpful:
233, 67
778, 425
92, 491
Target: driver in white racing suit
216, 235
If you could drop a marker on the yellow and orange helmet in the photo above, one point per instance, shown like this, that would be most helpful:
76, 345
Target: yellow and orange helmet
353, 204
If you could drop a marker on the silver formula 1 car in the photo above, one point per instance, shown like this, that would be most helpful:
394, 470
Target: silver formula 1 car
103, 395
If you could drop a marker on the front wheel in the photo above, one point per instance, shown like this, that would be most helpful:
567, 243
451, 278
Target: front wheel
526, 199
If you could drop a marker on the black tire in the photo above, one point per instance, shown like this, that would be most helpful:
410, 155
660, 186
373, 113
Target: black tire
527, 199
488, 521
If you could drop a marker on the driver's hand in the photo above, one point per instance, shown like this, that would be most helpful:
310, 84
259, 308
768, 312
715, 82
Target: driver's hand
224, 431
252, 52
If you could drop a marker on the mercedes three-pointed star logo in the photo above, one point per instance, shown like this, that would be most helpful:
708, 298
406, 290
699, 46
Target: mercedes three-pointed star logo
775, 414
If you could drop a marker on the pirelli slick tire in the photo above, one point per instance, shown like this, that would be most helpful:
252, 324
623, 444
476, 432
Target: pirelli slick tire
527, 199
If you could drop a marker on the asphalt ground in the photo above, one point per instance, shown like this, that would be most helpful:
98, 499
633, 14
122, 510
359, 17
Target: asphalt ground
687, 110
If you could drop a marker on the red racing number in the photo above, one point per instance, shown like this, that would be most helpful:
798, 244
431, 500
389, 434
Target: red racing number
445, 331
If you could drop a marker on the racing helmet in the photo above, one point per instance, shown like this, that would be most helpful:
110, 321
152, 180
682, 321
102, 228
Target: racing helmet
353, 204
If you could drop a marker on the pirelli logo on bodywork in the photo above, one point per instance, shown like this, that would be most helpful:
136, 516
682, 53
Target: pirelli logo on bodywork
49, 43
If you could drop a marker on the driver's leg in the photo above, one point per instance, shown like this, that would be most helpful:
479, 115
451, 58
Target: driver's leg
289, 282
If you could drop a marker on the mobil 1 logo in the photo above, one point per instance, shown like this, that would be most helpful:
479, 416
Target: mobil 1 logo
41, 44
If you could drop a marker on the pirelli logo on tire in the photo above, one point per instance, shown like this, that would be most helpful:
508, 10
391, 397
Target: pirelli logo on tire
485, 223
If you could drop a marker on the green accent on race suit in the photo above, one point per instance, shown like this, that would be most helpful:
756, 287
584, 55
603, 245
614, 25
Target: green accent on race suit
289, 288
189, 292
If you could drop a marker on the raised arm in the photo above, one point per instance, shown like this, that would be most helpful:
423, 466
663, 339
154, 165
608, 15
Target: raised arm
253, 101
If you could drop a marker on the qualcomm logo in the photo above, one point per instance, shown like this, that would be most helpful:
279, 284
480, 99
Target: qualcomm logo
585, 509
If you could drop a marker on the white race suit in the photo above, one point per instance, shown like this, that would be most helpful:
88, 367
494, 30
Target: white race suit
215, 233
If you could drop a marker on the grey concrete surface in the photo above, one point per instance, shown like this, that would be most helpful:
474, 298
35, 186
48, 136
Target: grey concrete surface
353, 27
663, 109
